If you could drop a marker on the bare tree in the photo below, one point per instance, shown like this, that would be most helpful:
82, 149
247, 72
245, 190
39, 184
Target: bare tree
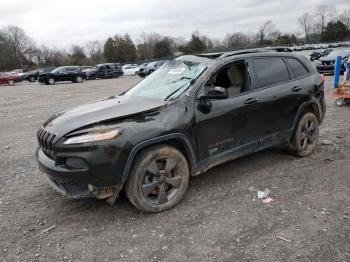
267, 32
18, 42
208, 42
324, 14
306, 23
238, 40
146, 46
345, 18
95, 50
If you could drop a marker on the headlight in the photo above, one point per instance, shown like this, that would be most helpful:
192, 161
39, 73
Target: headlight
94, 136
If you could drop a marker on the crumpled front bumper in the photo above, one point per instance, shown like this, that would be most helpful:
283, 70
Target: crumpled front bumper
75, 183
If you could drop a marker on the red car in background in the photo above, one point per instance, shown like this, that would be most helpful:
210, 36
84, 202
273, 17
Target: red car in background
6, 78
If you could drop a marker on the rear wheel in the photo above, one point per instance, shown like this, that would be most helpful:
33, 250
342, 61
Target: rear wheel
78, 79
158, 179
11, 82
305, 136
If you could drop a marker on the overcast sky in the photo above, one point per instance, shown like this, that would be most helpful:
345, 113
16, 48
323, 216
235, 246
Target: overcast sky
66, 22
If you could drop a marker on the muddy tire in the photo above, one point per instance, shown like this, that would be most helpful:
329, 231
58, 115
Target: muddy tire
305, 136
158, 179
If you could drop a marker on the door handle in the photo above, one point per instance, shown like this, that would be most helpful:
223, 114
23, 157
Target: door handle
296, 89
251, 101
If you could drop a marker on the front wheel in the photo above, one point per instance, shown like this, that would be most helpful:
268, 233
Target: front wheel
31, 79
305, 136
11, 82
51, 81
158, 179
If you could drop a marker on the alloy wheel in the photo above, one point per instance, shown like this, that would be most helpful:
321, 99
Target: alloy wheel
161, 181
308, 135
51, 81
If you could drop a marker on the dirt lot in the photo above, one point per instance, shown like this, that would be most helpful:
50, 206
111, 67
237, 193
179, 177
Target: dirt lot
219, 219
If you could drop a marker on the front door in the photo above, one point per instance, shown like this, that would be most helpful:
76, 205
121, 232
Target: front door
227, 126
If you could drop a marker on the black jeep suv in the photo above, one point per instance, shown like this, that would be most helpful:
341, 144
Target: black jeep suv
63, 73
193, 113
107, 70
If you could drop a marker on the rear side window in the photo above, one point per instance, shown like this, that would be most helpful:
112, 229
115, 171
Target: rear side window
270, 71
72, 69
298, 68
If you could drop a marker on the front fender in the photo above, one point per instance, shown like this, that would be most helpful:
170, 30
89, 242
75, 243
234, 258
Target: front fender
137, 148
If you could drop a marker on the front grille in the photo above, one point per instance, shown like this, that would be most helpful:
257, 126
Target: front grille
328, 62
46, 141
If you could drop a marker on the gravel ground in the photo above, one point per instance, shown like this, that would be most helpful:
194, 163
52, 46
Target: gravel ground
219, 219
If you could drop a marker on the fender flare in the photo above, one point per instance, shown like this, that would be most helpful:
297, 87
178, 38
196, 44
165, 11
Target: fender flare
301, 109
137, 148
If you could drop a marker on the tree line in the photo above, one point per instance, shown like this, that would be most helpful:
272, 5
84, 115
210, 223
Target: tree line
323, 24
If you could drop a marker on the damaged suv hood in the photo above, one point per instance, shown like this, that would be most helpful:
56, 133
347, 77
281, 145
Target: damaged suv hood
100, 111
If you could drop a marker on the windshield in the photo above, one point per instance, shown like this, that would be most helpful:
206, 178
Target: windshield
169, 81
58, 69
342, 53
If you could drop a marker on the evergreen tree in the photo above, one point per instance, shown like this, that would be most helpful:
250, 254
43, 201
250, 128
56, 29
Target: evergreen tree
162, 48
335, 31
108, 50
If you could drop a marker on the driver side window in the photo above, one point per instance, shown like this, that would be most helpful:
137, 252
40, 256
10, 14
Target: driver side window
231, 80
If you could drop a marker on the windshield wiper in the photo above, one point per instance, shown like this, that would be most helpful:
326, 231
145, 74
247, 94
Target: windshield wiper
191, 83
165, 99
182, 78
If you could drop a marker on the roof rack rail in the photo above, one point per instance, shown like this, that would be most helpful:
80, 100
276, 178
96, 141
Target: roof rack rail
211, 55
255, 50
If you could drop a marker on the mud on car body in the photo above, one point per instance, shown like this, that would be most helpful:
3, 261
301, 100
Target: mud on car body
193, 113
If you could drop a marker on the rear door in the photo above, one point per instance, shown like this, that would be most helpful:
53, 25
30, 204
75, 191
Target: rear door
71, 73
279, 99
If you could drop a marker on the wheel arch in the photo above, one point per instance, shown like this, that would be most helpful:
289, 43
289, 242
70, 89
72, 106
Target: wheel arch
177, 140
309, 106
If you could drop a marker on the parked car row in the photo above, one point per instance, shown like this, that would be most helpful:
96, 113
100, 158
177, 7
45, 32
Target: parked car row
142, 70
76, 74
320, 46
315, 55
326, 63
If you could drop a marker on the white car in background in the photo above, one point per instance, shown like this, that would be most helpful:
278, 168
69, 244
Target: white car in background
130, 69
